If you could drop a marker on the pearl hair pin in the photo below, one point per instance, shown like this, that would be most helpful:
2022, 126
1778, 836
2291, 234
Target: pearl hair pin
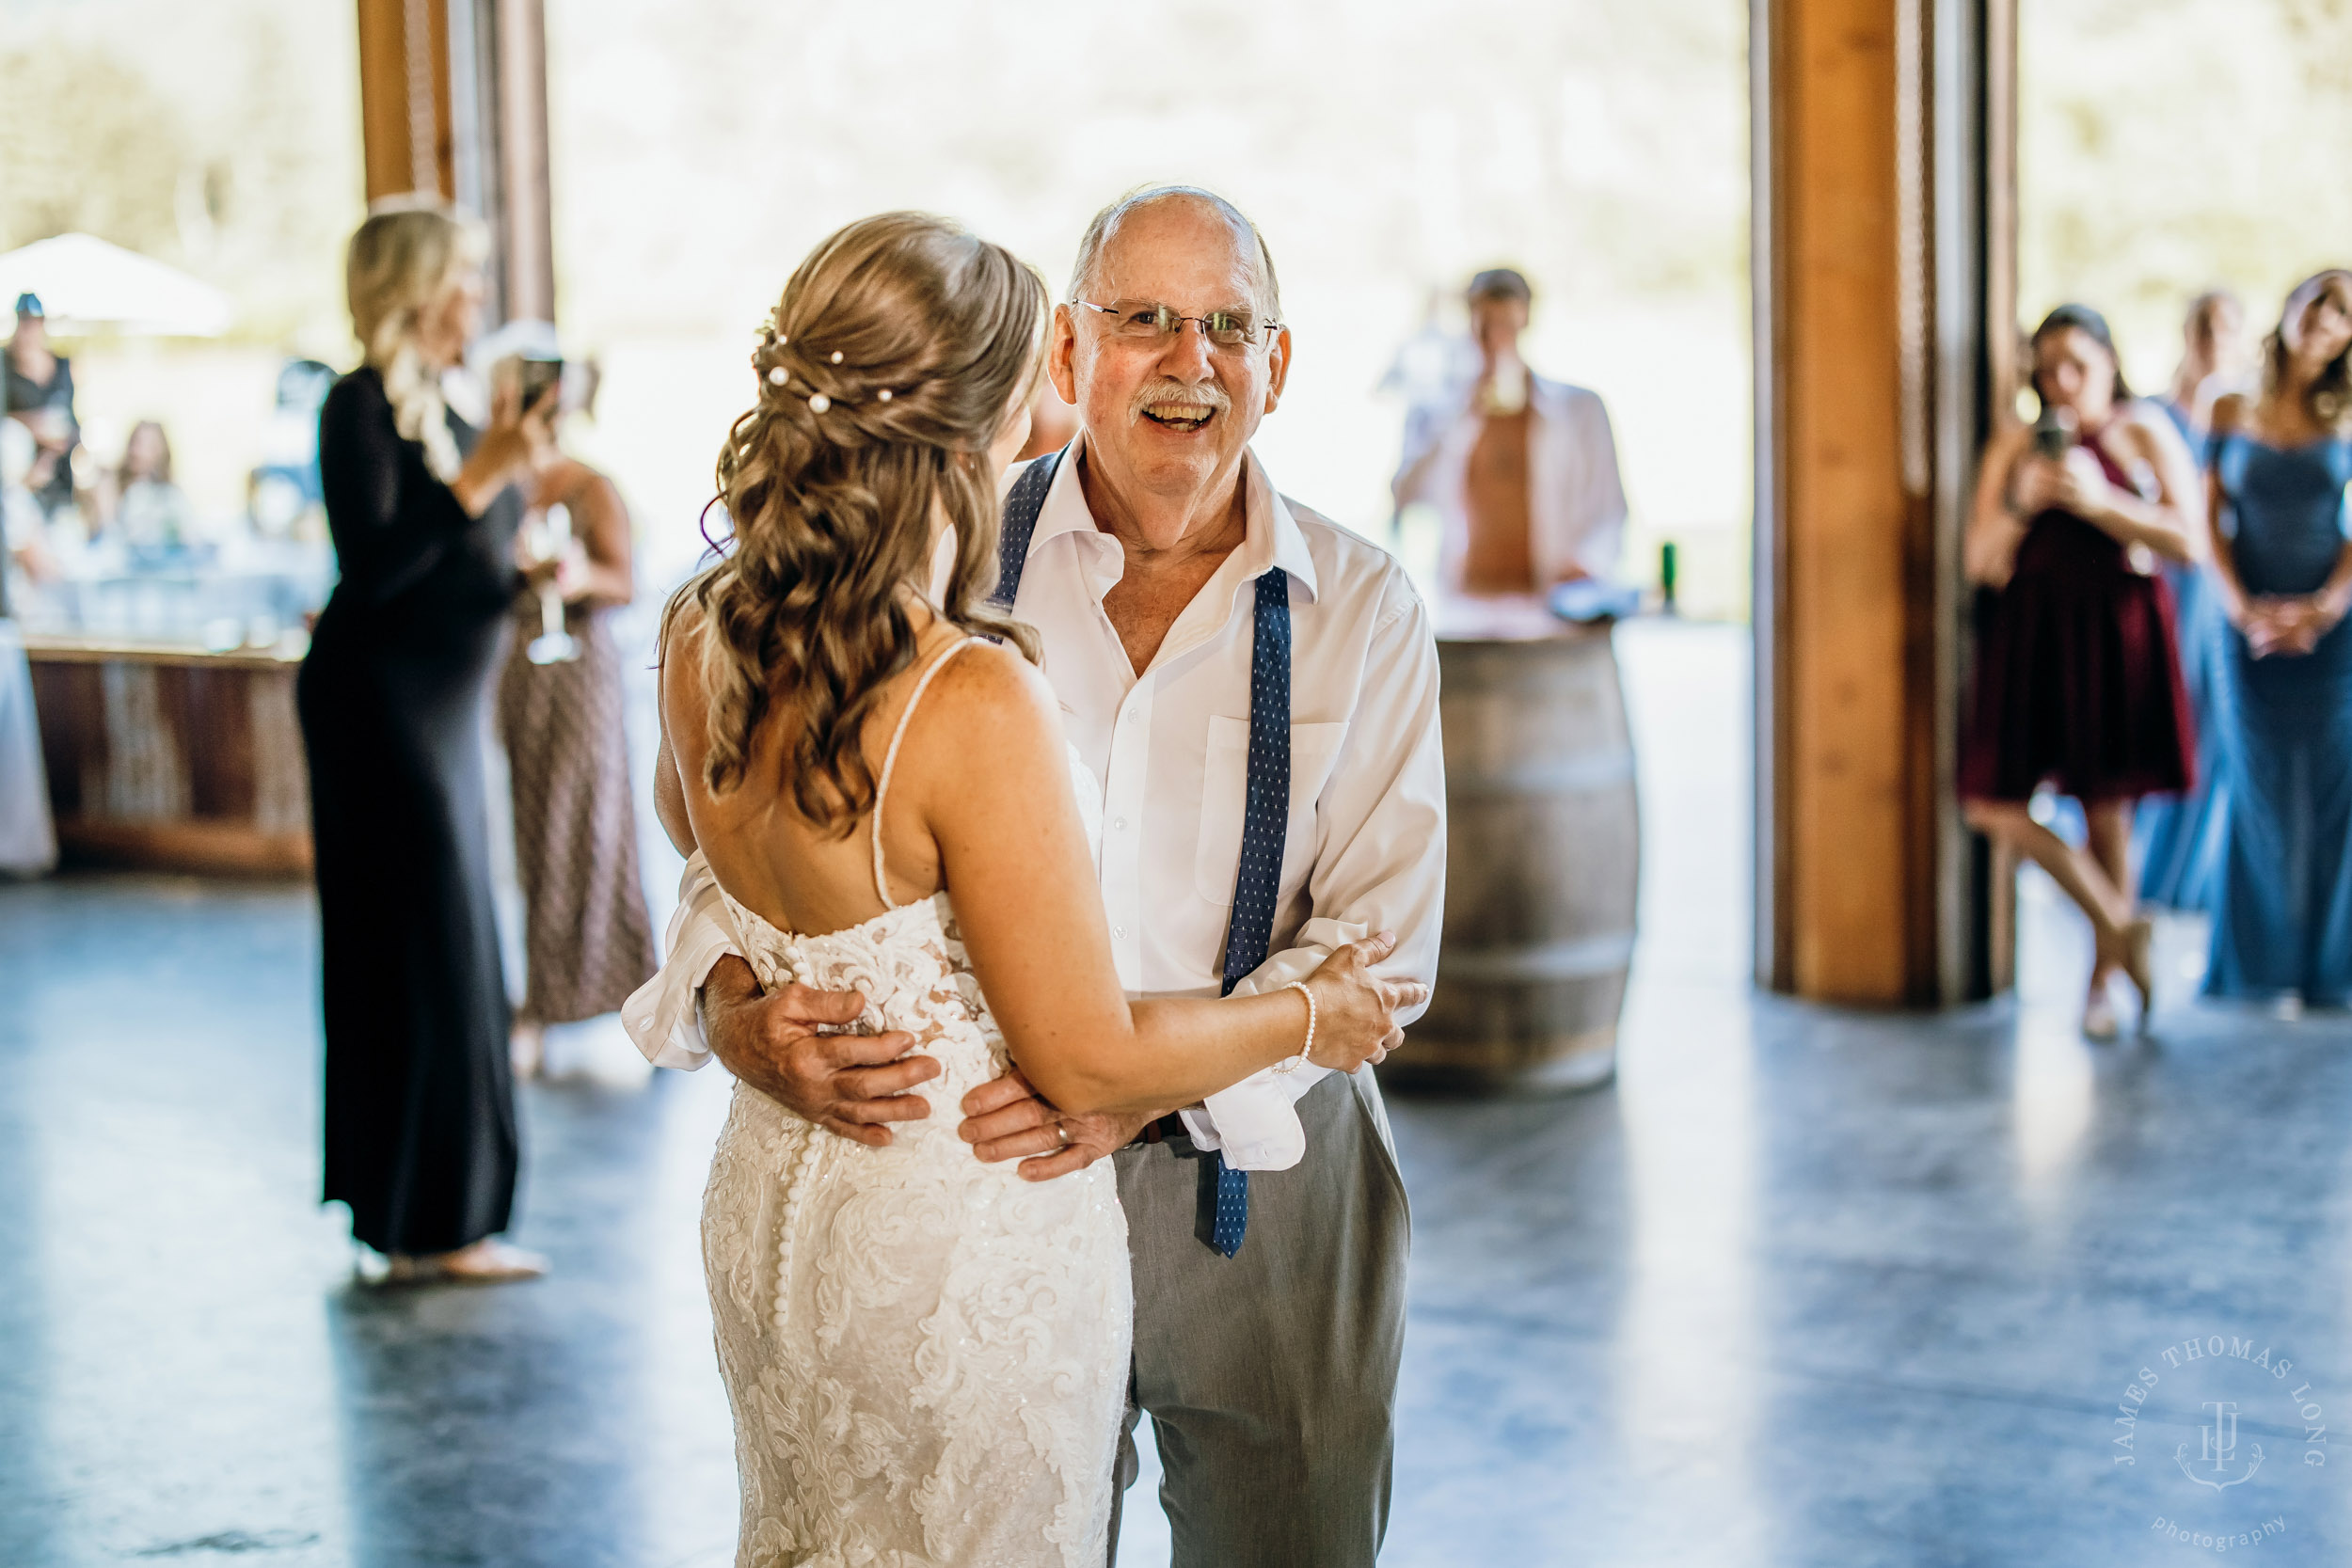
779, 376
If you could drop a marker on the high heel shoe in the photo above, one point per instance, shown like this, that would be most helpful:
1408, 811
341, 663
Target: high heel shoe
2139, 937
489, 1261
527, 1048
2099, 1016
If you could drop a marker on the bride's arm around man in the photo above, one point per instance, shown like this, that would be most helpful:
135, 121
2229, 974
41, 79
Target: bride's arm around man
1254, 691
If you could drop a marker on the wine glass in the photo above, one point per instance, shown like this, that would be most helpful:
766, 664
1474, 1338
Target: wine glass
544, 539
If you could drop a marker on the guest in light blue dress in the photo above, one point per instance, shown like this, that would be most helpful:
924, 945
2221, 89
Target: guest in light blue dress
2282, 910
2178, 845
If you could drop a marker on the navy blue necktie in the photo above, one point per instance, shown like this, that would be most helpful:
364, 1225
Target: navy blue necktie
1266, 818
1265, 810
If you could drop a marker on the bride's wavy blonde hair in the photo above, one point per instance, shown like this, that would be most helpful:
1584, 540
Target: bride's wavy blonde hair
900, 349
401, 260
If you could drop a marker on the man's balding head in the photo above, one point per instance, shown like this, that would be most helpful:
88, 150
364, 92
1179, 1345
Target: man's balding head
1087, 275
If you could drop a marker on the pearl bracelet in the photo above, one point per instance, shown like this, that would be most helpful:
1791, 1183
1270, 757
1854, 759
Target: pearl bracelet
1292, 1064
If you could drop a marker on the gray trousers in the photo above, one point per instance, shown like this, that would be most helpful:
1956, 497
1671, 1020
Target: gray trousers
1271, 1376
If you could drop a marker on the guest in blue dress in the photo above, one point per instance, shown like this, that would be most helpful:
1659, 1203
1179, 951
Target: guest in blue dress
2177, 838
2282, 565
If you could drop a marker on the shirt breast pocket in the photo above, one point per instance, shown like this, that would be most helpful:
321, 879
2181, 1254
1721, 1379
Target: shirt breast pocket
1224, 792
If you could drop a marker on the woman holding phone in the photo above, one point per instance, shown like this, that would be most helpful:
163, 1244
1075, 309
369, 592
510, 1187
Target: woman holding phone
419, 1099
2077, 677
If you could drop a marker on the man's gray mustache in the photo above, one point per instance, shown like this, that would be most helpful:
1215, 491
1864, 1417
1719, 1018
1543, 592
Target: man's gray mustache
1208, 395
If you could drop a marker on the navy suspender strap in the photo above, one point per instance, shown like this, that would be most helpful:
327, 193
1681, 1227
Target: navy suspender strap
1265, 811
1022, 502
1264, 825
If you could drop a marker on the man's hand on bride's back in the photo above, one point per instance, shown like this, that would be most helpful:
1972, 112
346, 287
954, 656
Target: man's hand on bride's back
846, 1084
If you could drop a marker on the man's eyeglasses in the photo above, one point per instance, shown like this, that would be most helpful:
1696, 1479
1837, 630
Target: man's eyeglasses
1148, 321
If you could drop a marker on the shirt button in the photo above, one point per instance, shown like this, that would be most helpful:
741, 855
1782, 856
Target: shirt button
1120, 823
1119, 932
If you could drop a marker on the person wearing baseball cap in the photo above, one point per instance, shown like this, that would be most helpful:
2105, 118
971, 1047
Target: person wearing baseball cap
39, 393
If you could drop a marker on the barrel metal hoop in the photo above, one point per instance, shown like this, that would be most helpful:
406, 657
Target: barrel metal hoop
1586, 958
1581, 776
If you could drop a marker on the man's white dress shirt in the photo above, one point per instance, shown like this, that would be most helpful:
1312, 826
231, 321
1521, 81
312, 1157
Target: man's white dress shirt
1576, 507
1365, 849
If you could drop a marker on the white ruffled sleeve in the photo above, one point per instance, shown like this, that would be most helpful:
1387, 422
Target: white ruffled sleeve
664, 1015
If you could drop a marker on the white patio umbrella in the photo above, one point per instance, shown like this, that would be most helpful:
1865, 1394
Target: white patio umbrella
84, 281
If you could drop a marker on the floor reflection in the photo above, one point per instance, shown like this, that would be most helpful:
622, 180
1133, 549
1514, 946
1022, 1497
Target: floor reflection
576, 1421
1805, 1286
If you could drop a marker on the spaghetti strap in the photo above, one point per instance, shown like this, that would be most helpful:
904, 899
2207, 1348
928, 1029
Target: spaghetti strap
890, 760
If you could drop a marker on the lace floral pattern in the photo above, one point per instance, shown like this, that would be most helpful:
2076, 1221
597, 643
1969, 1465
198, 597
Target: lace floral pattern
926, 1356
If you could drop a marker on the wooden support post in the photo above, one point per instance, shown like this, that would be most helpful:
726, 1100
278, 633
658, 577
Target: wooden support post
1872, 392
454, 102
403, 97
526, 225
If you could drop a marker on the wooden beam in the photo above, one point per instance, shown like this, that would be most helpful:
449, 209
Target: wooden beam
526, 228
1843, 512
453, 101
405, 99
1870, 346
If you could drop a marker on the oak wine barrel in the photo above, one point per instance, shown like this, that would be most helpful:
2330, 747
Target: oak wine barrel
1543, 857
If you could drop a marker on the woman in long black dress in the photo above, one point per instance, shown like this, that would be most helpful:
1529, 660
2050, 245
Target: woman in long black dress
419, 1099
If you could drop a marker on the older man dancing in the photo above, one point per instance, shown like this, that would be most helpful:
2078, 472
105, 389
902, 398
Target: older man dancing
1257, 689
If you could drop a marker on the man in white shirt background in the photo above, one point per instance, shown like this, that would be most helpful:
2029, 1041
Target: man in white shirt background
1268, 1359
1522, 469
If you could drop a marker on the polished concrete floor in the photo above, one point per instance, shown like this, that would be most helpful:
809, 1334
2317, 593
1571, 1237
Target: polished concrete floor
1803, 1287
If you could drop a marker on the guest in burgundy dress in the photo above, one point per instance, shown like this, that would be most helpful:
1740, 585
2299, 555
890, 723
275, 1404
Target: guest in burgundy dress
2078, 679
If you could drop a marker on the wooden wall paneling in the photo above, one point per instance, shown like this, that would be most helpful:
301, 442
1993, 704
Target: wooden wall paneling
71, 708
217, 719
173, 760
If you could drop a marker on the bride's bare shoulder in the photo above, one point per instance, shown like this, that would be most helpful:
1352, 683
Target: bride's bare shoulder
989, 683
987, 705
678, 656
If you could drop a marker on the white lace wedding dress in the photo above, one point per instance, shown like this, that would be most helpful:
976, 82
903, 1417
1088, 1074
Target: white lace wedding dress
926, 1356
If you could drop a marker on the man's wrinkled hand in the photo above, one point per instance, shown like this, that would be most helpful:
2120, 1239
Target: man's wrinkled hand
850, 1085
1005, 1119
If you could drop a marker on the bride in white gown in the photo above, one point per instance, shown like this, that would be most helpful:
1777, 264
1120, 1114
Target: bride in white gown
927, 1354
